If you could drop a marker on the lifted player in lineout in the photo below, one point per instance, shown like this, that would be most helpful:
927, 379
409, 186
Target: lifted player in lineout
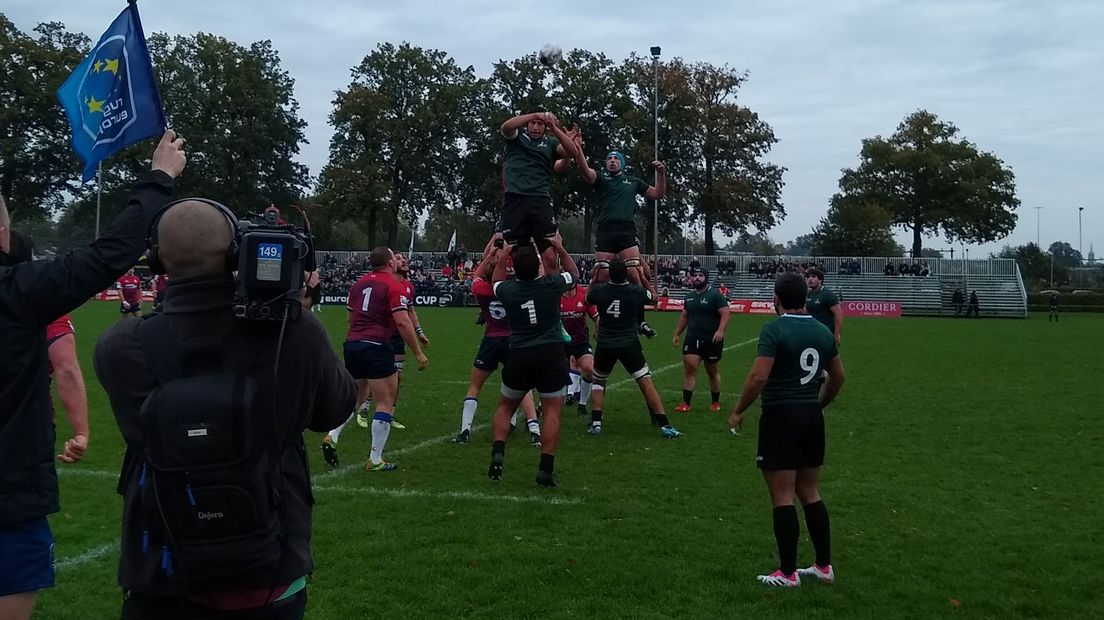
536, 359
493, 350
527, 177
705, 318
793, 352
618, 303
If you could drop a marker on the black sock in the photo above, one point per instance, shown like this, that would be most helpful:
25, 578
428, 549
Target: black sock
687, 395
661, 419
716, 396
498, 447
547, 461
595, 416
785, 534
820, 532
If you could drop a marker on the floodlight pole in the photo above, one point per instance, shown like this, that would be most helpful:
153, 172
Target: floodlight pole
1079, 248
1037, 242
655, 50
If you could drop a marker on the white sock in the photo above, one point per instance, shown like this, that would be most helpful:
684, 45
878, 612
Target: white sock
513, 418
534, 427
584, 391
381, 428
469, 414
335, 434
575, 376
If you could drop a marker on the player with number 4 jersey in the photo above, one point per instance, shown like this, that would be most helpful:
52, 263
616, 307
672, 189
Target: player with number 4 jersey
618, 303
492, 350
793, 352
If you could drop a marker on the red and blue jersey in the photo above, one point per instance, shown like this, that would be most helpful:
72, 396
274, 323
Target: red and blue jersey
131, 288
494, 313
373, 300
574, 311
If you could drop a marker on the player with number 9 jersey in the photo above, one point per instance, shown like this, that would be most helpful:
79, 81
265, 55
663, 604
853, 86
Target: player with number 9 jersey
801, 348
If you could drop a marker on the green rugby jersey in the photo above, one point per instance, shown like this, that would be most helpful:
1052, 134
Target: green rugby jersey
801, 348
618, 312
527, 168
616, 197
819, 305
533, 309
703, 313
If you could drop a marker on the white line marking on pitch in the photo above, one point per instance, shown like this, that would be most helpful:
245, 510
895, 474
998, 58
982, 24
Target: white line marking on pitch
490, 497
432, 441
64, 472
92, 555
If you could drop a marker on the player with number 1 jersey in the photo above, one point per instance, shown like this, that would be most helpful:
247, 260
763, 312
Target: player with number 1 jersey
492, 350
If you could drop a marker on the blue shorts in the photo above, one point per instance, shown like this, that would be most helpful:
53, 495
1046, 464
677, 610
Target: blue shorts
369, 360
492, 353
26, 557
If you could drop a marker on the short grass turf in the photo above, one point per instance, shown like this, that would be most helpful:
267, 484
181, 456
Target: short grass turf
964, 477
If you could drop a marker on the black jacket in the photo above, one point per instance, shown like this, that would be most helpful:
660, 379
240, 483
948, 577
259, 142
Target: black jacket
31, 296
314, 391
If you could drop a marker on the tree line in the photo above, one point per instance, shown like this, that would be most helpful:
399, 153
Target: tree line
415, 140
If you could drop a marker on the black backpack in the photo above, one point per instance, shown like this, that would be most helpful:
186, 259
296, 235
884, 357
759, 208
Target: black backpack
210, 483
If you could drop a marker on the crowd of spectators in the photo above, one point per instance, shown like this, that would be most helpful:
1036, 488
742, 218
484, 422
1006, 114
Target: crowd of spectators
907, 269
771, 268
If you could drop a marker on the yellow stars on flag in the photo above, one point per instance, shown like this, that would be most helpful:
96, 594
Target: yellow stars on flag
108, 64
93, 105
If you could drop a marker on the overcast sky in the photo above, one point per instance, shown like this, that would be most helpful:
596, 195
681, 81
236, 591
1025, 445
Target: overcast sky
1020, 78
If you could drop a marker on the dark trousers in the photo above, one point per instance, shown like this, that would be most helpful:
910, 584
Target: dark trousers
143, 607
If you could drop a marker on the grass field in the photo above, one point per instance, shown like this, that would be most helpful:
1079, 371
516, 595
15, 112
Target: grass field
965, 477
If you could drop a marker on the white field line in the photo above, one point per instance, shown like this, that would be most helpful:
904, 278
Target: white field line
97, 553
92, 555
490, 497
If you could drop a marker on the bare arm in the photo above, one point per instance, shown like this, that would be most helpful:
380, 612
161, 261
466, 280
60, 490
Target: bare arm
485, 265
753, 386
500, 268
567, 146
837, 317
406, 330
660, 189
71, 392
683, 318
510, 128
566, 261
834, 384
424, 339
725, 316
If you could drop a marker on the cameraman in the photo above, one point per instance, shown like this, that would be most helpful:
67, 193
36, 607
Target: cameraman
32, 294
300, 383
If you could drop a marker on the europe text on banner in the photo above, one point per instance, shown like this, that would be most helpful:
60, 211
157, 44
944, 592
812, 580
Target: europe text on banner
110, 98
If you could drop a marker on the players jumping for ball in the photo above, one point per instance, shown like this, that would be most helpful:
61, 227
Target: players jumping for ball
618, 303
705, 318
793, 352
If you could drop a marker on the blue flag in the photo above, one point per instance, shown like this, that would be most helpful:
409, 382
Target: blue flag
110, 98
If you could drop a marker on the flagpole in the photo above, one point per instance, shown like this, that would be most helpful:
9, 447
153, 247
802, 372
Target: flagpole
99, 196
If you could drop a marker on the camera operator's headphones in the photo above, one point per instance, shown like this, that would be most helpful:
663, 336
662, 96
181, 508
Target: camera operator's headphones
153, 259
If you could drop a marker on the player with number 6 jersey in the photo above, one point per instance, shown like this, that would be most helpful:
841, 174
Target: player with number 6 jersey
793, 352
492, 350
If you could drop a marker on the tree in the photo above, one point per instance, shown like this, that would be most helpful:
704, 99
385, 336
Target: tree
804, 245
397, 134
855, 228
932, 181
725, 182
234, 107
1064, 254
37, 166
1038, 269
